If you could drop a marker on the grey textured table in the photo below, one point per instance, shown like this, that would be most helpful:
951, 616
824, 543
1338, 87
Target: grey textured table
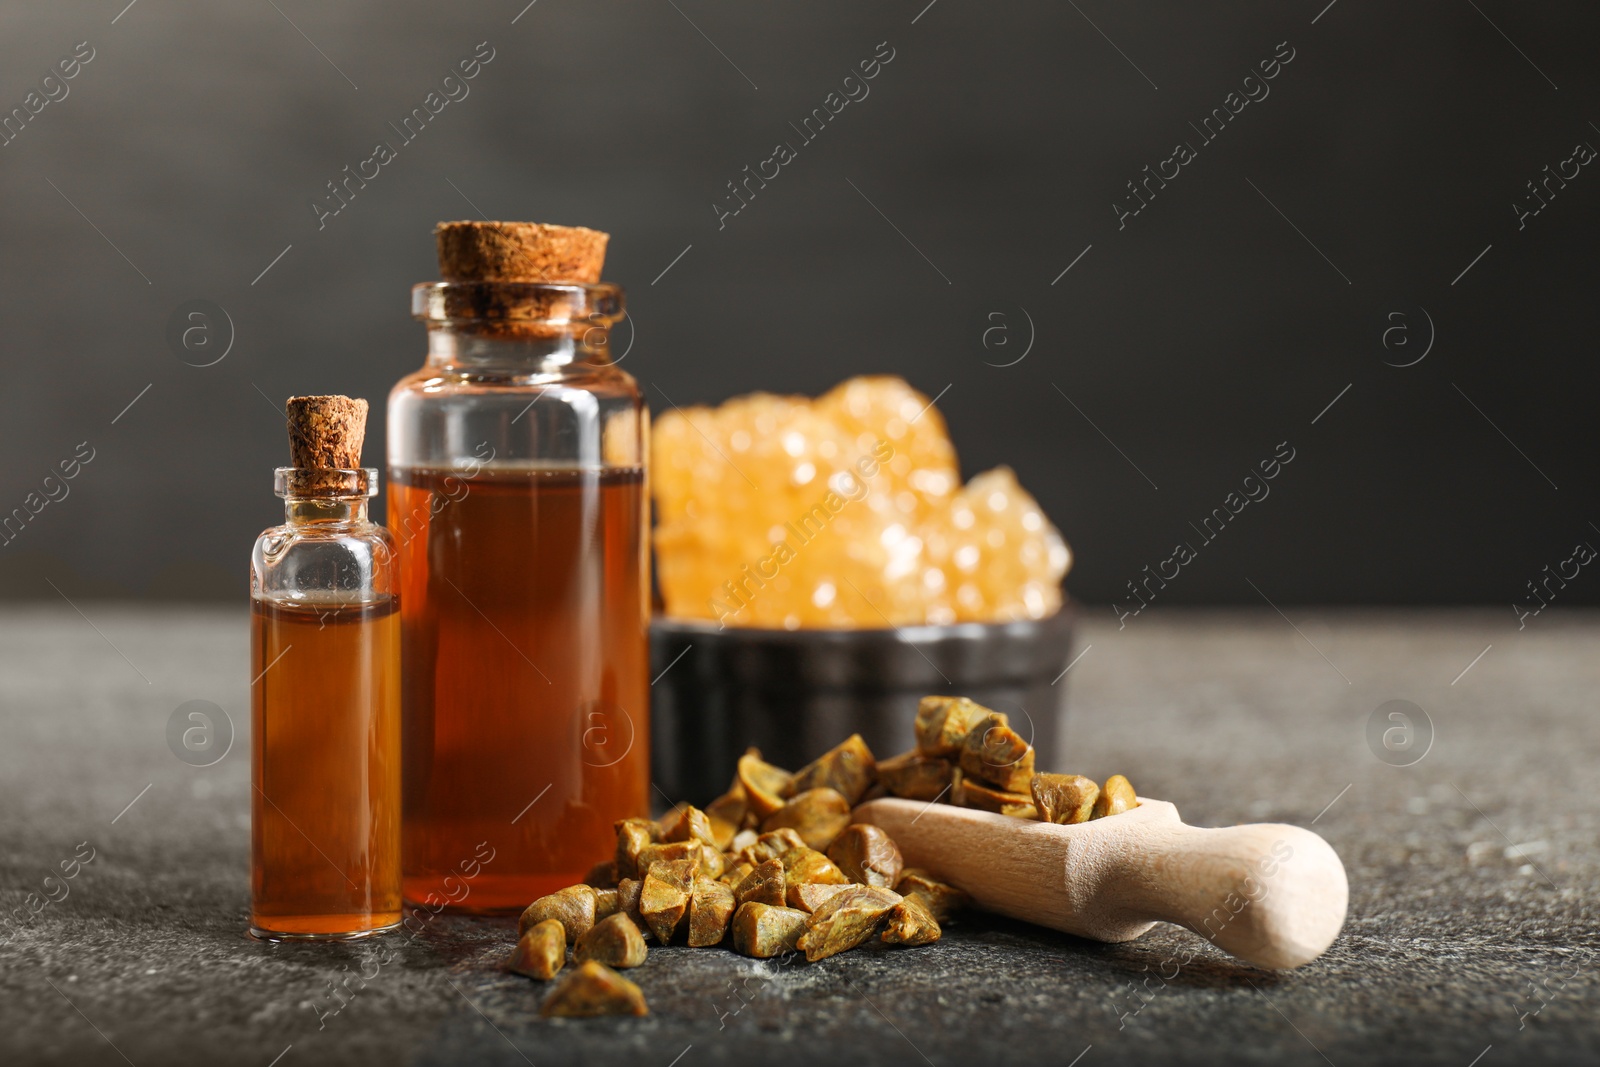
1472, 929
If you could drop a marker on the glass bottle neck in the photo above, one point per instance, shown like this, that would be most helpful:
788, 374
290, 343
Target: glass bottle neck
325, 510
477, 352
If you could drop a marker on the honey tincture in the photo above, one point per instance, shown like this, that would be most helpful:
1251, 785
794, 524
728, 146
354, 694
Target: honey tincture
325, 695
517, 499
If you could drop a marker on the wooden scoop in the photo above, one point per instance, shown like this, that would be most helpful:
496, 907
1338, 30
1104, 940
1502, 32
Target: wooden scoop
1272, 895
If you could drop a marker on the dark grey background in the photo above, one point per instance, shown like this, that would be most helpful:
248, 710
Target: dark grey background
1196, 339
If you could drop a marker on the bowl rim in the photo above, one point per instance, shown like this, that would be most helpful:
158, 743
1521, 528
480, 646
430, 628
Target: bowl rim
1065, 615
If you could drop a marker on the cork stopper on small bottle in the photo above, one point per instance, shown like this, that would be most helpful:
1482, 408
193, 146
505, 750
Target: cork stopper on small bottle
520, 252
326, 432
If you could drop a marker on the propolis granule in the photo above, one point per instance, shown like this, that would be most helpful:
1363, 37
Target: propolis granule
843, 511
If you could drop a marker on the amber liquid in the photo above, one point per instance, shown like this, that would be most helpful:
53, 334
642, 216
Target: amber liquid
325, 764
525, 629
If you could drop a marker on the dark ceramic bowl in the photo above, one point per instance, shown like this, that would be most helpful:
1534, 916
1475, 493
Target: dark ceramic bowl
794, 694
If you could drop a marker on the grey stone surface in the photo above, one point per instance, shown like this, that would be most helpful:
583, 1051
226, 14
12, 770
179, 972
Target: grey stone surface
1456, 942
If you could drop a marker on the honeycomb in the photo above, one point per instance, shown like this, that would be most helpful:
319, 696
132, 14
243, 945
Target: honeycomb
844, 511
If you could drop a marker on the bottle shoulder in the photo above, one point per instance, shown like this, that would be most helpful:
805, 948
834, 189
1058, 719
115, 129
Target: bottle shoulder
353, 561
445, 417
444, 382
366, 547
291, 533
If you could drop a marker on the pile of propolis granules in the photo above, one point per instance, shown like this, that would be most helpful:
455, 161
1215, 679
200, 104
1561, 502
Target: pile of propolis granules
778, 865
844, 511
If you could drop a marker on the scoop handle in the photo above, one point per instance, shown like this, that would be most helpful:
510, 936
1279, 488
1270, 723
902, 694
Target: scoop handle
1271, 894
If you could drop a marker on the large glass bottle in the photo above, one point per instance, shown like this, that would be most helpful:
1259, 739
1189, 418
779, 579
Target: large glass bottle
517, 502
325, 714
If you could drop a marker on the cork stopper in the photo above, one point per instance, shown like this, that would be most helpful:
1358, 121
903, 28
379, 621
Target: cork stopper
326, 432
519, 252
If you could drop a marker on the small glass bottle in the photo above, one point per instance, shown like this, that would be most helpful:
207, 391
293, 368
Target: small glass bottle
325, 700
517, 499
